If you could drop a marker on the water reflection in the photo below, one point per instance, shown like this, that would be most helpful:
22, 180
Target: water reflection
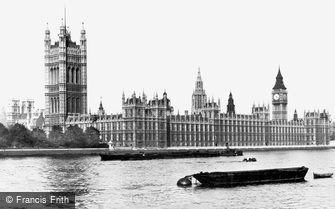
73, 174
69, 174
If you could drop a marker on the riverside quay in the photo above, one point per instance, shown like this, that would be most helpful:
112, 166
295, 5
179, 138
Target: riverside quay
152, 122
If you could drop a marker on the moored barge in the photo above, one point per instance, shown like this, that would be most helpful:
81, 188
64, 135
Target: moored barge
238, 178
147, 154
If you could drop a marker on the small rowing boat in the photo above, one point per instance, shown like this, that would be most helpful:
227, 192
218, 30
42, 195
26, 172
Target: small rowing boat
322, 175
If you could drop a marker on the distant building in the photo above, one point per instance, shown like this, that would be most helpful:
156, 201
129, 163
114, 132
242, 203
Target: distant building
66, 77
317, 125
332, 131
153, 123
24, 112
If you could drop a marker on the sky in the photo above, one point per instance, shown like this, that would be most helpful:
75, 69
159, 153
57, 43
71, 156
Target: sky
154, 45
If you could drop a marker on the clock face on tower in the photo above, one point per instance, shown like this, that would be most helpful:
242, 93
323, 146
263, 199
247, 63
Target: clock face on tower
276, 97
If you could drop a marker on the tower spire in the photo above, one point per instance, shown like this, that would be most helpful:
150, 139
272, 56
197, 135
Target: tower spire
199, 75
199, 96
279, 81
100, 106
47, 33
101, 110
198, 83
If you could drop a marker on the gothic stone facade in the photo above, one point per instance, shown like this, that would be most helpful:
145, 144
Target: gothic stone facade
152, 123
24, 112
65, 76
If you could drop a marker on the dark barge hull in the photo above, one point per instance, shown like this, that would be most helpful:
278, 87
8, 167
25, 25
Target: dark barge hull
167, 154
238, 178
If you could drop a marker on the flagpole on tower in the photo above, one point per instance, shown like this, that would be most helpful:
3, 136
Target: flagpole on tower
65, 16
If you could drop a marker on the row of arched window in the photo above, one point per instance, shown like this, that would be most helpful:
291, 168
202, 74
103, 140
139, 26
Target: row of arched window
73, 105
54, 107
53, 75
73, 75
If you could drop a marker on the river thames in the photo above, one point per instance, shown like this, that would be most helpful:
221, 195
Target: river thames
152, 183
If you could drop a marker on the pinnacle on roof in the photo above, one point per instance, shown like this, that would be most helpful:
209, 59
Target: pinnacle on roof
230, 99
82, 29
231, 106
47, 28
295, 115
230, 95
279, 81
100, 106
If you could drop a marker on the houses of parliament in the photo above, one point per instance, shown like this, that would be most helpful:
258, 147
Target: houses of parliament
152, 122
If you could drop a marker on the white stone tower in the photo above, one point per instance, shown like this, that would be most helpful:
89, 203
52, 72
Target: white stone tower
65, 77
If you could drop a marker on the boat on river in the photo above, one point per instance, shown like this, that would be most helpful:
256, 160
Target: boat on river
322, 175
149, 154
249, 159
238, 178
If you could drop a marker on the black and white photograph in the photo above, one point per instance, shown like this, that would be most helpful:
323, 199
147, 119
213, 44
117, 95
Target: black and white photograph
155, 104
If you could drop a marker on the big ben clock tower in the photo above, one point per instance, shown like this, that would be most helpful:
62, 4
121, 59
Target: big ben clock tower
279, 99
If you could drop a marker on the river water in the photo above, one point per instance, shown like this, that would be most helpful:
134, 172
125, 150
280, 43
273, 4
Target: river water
152, 184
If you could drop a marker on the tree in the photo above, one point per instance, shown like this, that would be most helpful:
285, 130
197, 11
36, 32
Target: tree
20, 136
3, 130
74, 137
57, 128
92, 137
3, 136
56, 135
3, 142
40, 138
39, 134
